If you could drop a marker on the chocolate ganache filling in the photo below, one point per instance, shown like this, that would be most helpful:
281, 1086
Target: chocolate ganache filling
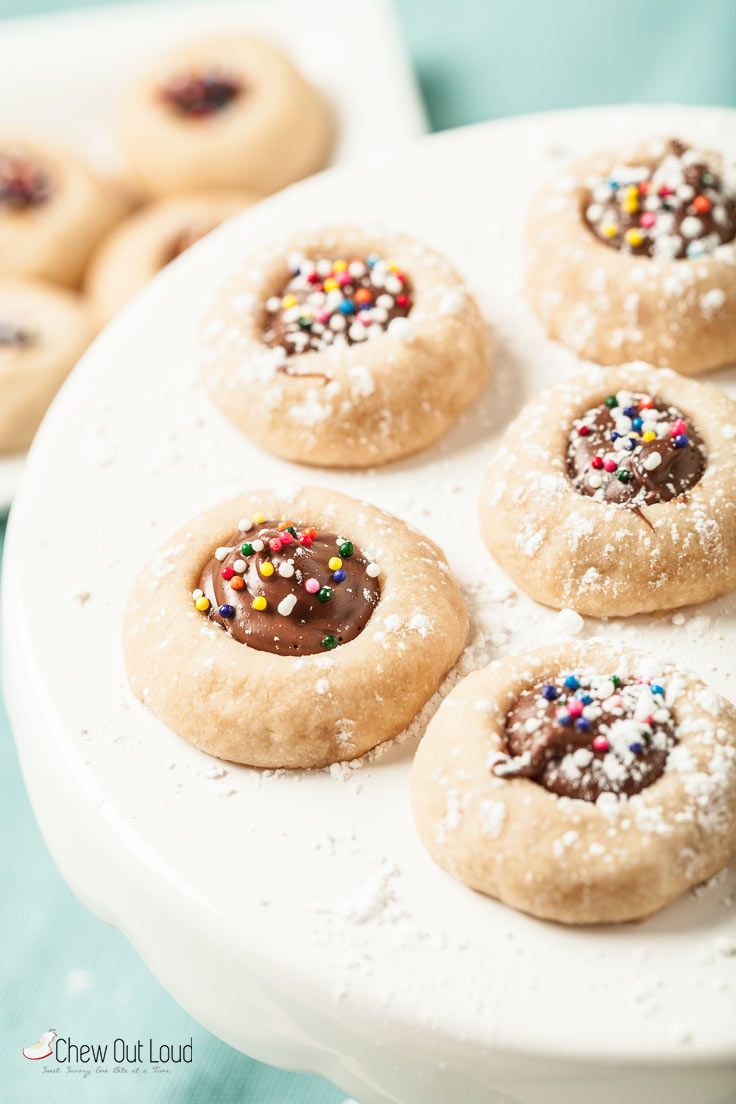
634, 450
583, 735
333, 303
23, 183
285, 588
673, 208
199, 95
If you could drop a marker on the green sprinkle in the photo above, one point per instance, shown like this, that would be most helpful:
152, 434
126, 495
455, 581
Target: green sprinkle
611, 402
329, 642
325, 594
616, 681
623, 476
347, 549
246, 549
292, 530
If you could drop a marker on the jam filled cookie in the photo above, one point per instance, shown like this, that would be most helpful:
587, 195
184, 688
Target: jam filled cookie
580, 783
293, 630
346, 348
53, 212
138, 248
43, 332
637, 260
614, 493
224, 113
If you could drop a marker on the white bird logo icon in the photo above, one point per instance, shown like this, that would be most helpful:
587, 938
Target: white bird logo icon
41, 1049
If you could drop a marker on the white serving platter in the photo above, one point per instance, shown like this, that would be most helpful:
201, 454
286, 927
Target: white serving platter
61, 77
296, 915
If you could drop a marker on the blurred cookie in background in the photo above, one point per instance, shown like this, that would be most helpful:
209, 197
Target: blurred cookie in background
53, 211
148, 240
43, 332
227, 112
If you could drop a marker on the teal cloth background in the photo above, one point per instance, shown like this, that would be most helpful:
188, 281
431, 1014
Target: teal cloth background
63, 968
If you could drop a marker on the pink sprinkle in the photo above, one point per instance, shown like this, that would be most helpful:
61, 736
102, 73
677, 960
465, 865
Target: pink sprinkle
610, 465
575, 707
647, 220
275, 544
286, 538
323, 317
344, 279
600, 743
679, 427
311, 586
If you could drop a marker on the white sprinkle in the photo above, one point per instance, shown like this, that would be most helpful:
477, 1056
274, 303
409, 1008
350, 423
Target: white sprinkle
257, 545
569, 622
222, 552
197, 594
286, 569
400, 329
245, 524
286, 605
240, 566
652, 461
373, 570
691, 227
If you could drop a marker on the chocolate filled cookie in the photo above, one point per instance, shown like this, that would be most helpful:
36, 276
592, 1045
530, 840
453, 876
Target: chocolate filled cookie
346, 348
634, 257
151, 238
583, 783
53, 211
293, 630
614, 493
224, 113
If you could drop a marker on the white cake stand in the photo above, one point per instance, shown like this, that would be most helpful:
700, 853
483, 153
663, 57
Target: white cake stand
296, 916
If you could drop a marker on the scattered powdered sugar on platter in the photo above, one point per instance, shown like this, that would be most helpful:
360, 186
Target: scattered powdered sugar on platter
352, 900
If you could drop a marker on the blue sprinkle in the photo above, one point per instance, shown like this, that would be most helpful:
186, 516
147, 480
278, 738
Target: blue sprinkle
550, 692
630, 444
584, 698
372, 260
656, 688
636, 747
564, 719
682, 441
637, 423
630, 411
572, 683
346, 307
226, 611
615, 436
338, 576
583, 724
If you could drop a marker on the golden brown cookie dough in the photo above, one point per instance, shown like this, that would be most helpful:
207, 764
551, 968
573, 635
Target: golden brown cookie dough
224, 113
632, 256
580, 783
43, 332
144, 243
600, 502
345, 348
53, 212
298, 653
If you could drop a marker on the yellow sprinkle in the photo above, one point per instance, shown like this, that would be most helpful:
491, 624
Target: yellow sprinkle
631, 205
289, 301
634, 237
393, 268
339, 266
649, 436
334, 563
609, 230
266, 568
259, 603
258, 519
331, 284
202, 604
